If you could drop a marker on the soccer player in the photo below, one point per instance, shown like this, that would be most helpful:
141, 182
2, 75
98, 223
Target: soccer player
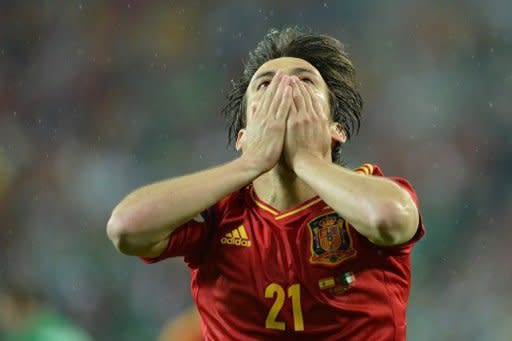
283, 242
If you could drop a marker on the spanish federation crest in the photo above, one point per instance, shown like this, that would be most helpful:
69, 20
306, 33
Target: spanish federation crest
331, 243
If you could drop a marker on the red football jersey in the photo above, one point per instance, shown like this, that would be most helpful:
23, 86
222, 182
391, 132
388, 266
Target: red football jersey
305, 273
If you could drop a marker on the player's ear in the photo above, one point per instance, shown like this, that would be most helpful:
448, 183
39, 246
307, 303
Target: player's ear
338, 133
239, 139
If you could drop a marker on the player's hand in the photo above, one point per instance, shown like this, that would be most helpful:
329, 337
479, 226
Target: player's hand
263, 139
307, 129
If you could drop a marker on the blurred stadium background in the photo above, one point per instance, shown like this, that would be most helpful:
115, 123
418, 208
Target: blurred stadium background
99, 97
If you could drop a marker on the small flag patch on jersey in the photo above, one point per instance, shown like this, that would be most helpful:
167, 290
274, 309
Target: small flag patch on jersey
237, 237
348, 278
337, 285
325, 283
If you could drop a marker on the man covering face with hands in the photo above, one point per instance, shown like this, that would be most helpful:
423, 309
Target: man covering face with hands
284, 242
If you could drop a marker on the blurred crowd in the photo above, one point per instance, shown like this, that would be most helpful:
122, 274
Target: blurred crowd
100, 97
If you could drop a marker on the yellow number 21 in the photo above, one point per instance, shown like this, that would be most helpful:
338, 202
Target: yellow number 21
276, 290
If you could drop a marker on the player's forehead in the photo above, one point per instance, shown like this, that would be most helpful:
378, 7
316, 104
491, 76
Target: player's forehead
290, 65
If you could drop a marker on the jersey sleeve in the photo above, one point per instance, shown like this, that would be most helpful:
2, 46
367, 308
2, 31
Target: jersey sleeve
404, 248
420, 230
189, 240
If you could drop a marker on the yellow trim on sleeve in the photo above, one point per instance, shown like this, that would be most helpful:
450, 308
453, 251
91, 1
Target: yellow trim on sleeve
366, 169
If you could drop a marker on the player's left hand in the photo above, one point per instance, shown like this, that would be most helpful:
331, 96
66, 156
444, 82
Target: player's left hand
307, 128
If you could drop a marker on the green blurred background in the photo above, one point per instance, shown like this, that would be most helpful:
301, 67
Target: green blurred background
99, 97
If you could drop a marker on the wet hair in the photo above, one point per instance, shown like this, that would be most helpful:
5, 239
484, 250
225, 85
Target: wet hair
326, 54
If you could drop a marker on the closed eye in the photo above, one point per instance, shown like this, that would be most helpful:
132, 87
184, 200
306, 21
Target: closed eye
307, 80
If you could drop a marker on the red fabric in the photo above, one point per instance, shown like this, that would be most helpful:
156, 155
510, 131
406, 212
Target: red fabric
187, 241
229, 281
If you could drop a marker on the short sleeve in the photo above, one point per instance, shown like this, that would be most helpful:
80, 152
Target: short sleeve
188, 240
405, 248
420, 231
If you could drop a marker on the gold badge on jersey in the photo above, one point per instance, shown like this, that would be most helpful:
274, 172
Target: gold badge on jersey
331, 243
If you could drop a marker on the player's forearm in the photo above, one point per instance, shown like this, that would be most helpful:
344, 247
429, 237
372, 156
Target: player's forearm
377, 207
150, 214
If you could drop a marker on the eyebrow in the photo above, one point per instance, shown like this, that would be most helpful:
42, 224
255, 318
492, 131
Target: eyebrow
294, 71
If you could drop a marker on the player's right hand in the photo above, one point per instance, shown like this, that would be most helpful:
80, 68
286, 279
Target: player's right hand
262, 140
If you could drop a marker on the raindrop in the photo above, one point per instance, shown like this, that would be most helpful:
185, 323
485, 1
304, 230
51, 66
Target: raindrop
491, 104
325, 4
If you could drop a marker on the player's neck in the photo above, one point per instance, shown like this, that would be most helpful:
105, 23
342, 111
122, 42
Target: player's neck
281, 188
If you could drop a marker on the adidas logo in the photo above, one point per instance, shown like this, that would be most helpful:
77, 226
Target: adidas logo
236, 237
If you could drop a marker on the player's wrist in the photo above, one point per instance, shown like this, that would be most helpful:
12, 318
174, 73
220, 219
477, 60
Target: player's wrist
302, 160
251, 166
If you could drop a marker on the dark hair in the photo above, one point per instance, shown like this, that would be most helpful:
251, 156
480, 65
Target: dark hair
323, 52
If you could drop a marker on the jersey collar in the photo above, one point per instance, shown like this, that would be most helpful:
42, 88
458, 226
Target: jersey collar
281, 215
